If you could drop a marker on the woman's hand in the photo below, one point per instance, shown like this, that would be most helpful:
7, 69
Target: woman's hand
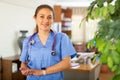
37, 72
25, 70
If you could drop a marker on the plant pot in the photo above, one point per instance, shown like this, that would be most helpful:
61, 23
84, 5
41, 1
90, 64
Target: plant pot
104, 68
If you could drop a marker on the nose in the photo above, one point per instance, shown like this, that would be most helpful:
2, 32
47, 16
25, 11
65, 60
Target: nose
46, 19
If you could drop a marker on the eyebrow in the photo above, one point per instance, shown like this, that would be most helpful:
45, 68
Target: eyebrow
43, 14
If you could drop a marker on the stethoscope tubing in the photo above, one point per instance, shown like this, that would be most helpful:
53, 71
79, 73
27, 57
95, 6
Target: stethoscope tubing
31, 42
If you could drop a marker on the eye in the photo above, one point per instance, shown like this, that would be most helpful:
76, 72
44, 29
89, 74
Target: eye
49, 17
41, 16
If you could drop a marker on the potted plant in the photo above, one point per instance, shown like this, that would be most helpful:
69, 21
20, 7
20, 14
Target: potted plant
107, 37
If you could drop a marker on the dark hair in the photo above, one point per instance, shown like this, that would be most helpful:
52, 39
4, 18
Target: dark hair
41, 7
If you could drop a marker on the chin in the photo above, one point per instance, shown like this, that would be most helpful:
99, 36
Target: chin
46, 29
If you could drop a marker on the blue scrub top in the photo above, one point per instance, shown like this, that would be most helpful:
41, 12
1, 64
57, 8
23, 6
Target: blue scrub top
39, 56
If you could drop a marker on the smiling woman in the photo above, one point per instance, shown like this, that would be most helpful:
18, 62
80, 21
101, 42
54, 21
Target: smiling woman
46, 53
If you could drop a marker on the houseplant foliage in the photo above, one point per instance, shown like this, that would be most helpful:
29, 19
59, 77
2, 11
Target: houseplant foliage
107, 36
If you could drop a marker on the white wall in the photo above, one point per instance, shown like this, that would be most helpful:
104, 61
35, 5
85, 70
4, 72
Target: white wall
91, 28
86, 31
77, 31
12, 19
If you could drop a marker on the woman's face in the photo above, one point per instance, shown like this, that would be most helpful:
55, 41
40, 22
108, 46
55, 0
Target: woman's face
44, 19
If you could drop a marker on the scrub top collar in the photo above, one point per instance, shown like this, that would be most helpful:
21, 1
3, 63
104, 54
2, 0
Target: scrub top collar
50, 37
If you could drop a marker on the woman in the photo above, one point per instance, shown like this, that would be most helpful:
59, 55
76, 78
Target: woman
46, 53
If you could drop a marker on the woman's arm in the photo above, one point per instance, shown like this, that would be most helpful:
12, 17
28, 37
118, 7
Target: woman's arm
64, 64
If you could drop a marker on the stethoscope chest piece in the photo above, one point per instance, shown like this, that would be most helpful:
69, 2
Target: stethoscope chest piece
53, 53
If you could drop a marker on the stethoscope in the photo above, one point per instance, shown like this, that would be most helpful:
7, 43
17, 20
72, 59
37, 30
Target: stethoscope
32, 41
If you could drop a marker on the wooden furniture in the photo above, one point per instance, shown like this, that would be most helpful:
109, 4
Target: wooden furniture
58, 13
61, 13
79, 47
7, 69
63, 16
84, 72
0, 68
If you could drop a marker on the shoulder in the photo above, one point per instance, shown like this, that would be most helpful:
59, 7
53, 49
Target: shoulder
27, 39
30, 38
61, 34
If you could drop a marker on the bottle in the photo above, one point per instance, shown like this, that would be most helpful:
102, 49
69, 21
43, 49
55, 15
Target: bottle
85, 60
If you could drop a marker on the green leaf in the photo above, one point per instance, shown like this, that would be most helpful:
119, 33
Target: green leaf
103, 58
115, 56
118, 46
116, 77
95, 58
100, 46
108, 30
111, 8
96, 13
118, 69
104, 11
101, 13
107, 47
109, 62
109, 1
100, 3
90, 10
90, 44
114, 68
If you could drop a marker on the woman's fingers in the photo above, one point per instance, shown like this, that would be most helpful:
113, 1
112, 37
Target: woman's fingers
26, 71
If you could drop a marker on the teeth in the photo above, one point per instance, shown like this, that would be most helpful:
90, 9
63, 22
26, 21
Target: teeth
45, 25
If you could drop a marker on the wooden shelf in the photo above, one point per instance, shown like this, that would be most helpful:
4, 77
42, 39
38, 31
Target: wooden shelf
7, 69
63, 16
67, 32
58, 12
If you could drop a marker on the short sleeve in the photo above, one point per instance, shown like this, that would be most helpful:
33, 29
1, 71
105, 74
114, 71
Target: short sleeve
67, 48
24, 53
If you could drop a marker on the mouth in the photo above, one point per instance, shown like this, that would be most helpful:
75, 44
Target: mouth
45, 25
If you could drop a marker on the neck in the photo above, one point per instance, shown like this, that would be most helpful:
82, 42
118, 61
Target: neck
43, 36
43, 32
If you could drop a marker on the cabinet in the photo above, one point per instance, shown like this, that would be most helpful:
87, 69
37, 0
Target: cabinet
84, 72
64, 16
0, 68
8, 73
